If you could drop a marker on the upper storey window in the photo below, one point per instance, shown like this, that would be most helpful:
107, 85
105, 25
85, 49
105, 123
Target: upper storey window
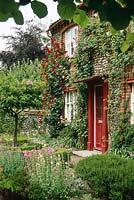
71, 36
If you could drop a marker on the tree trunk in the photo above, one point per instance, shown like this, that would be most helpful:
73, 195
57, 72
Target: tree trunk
15, 130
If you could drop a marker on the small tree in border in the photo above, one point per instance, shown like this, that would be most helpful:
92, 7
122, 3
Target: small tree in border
20, 91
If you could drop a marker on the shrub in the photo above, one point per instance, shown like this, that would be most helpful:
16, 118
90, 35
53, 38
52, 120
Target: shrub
110, 176
21, 139
63, 153
12, 174
11, 161
75, 133
31, 146
123, 143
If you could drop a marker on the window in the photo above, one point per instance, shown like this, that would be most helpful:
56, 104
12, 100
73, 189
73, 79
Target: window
71, 36
132, 104
70, 105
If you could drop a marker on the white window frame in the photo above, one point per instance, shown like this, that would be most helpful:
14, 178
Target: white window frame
132, 104
71, 36
70, 105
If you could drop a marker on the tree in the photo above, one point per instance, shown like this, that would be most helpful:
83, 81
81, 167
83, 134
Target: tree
20, 89
25, 44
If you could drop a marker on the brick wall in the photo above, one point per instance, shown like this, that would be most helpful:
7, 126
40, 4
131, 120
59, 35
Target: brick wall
126, 88
99, 61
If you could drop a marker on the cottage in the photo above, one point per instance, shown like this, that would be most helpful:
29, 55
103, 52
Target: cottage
110, 83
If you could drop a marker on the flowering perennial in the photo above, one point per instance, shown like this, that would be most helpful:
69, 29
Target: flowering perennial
49, 176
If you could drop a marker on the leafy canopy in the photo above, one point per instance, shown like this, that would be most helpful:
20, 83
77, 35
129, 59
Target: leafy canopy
20, 89
118, 12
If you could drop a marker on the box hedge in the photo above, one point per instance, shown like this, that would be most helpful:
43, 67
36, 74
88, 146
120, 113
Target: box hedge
110, 176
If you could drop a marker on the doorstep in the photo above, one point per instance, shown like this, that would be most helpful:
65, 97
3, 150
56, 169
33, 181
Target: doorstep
86, 153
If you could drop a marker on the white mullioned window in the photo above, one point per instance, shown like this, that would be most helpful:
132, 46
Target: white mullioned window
70, 105
132, 104
71, 36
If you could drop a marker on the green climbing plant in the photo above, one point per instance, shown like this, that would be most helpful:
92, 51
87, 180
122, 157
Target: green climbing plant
99, 53
55, 71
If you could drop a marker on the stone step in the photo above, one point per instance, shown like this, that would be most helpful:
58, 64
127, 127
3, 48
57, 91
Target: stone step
86, 153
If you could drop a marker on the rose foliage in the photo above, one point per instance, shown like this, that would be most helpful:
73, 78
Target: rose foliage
55, 71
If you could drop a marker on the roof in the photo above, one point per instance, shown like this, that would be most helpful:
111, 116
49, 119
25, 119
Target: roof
60, 23
57, 26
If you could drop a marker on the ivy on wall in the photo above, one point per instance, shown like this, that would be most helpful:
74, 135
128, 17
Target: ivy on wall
99, 53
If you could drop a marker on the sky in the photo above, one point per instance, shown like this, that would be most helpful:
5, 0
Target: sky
6, 28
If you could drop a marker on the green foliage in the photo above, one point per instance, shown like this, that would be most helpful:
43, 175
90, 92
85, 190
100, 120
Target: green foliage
97, 41
118, 13
12, 174
20, 89
123, 140
16, 182
55, 71
80, 17
75, 133
30, 146
11, 162
97, 45
49, 178
64, 154
6, 124
66, 9
21, 139
123, 136
39, 9
110, 176
18, 18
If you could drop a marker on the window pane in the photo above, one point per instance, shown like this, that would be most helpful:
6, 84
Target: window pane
70, 105
71, 40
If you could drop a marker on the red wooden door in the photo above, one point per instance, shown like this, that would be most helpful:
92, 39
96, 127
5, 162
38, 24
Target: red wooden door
98, 108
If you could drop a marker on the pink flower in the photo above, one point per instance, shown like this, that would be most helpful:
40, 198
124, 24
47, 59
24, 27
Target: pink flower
50, 150
29, 82
84, 48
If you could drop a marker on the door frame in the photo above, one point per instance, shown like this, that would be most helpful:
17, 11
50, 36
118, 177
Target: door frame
91, 113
